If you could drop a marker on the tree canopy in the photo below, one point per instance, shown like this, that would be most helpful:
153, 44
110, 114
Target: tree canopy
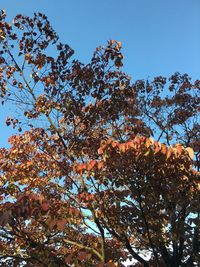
103, 169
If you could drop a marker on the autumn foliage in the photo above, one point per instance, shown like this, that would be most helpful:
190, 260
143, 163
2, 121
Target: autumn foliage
105, 169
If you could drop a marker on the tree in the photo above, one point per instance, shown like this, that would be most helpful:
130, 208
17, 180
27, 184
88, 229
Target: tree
85, 184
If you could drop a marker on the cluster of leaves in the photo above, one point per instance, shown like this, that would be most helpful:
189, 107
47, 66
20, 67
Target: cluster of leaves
90, 187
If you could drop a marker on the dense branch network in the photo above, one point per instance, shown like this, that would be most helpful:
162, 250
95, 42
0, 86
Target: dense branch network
85, 183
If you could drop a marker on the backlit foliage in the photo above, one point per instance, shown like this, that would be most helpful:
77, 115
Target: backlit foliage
105, 169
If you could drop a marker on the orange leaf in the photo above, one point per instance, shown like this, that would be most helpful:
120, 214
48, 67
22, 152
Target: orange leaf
164, 149
179, 149
80, 167
129, 144
119, 44
157, 147
91, 165
122, 147
100, 151
114, 144
100, 165
169, 152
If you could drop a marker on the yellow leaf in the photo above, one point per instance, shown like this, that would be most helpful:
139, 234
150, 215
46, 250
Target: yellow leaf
147, 152
190, 152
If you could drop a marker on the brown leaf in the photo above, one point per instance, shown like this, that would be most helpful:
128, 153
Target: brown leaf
45, 206
5, 218
61, 224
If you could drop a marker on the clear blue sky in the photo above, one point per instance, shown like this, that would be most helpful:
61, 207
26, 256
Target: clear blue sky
159, 37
